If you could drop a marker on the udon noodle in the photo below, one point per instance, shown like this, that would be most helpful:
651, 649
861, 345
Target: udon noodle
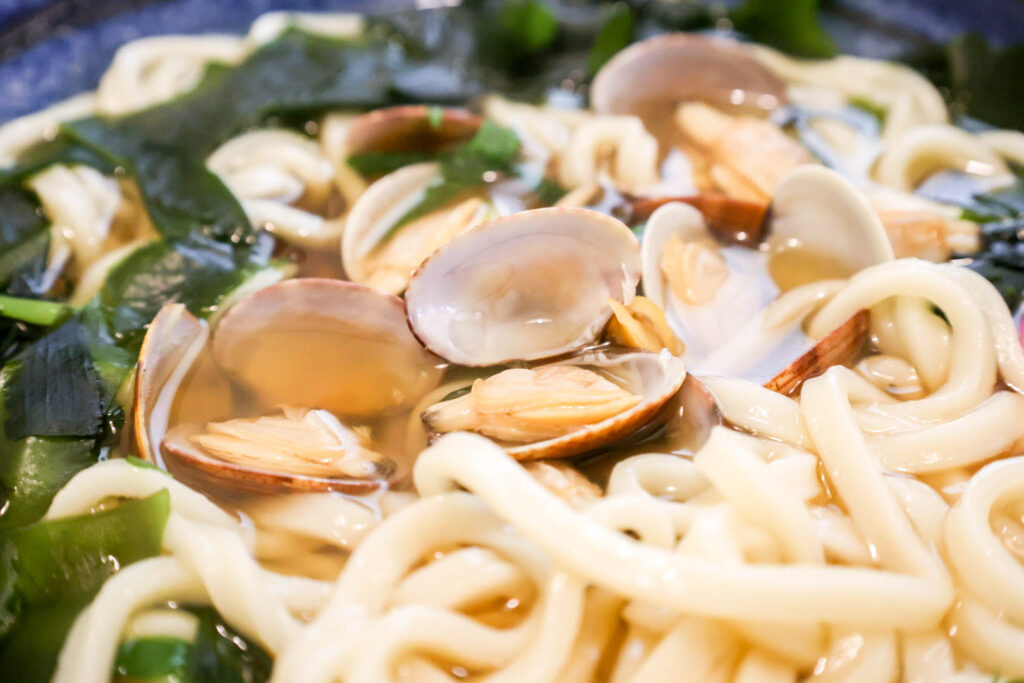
867, 528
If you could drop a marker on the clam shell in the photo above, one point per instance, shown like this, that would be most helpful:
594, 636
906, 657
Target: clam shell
409, 127
841, 346
326, 344
172, 342
815, 209
823, 211
376, 210
194, 468
657, 377
679, 66
527, 286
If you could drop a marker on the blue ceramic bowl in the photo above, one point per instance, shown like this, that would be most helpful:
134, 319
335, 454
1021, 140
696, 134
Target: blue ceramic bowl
52, 49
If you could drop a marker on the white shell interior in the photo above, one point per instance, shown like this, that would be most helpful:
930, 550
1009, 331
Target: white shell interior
815, 209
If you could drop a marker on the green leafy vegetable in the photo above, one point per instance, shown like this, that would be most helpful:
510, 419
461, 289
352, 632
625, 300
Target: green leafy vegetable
985, 82
197, 271
380, 163
435, 117
492, 150
52, 389
866, 105
50, 570
530, 24
791, 26
34, 311
144, 464
549, 191
221, 655
152, 657
615, 35
24, 242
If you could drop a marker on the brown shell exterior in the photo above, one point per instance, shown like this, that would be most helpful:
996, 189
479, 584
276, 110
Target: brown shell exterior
587, 439
216, 476
841, 346
733, 221
676, 67
407, 128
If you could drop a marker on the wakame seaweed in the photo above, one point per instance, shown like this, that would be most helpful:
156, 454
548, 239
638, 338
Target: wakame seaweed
217, 654
53, 389
50, 570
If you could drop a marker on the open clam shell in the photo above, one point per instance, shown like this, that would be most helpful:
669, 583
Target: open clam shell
337, 347
173, 343
820, 230
677, 67
374, 257
196, 468
527, 286
331, 344
654, 378
410, 127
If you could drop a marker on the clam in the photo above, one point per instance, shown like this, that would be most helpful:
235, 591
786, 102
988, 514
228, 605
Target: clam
411, 128
593, 399
290, 393
674, 68
523, 287
720, 299
372, 251
331, 344
373, 256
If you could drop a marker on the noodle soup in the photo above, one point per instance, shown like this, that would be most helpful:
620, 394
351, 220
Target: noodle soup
708, 367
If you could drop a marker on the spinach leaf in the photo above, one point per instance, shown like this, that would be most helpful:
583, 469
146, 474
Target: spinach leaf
52, 389
50, 570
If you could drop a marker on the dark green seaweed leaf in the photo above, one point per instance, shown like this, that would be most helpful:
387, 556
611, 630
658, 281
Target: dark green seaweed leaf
380, 163
222, 655
985, 82
24, 242
791, 26
50, 570
53, 389
144, 658
615, 35
197, 271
